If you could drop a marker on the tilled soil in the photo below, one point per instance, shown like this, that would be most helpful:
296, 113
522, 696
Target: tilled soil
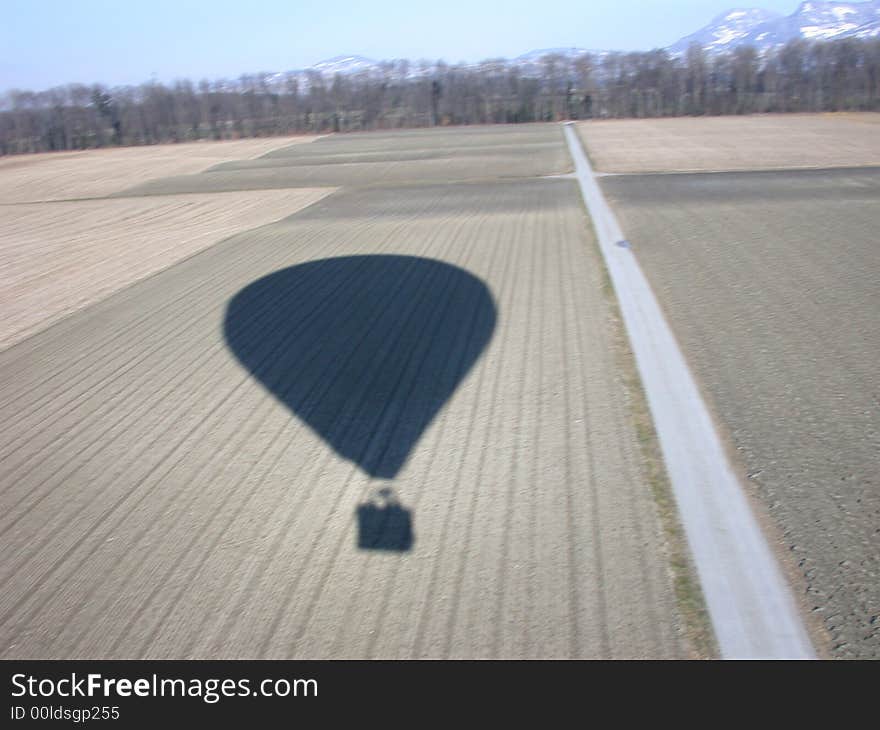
394, 424
770, 281
768, 142
97, 173
58, 257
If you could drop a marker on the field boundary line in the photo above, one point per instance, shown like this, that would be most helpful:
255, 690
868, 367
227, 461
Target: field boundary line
739, 170
751, 607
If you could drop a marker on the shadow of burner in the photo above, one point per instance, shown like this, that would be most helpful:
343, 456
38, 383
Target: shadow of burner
364, 349
383, 524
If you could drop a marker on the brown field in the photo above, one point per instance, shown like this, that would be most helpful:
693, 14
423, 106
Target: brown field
58, 257
769, 280
186, 464
96, 173
382, 158
764, 142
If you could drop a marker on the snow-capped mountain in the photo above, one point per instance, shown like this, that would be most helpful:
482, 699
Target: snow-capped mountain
765, 30
827, 20
727, 30
344, 65
531, 63
537, 55
347, 65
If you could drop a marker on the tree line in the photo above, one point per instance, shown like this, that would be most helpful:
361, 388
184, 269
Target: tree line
798, 77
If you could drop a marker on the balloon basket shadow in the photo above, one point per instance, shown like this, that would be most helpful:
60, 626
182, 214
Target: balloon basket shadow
384, 524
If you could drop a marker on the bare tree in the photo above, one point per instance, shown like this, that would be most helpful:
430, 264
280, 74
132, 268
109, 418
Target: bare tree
801, 76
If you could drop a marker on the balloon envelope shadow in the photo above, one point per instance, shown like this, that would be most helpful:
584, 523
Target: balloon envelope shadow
364, 349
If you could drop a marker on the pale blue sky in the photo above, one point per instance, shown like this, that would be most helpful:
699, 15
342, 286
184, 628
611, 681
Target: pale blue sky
49, 42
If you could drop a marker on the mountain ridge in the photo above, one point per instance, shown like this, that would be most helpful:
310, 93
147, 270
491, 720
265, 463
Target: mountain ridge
763, 29
812, 20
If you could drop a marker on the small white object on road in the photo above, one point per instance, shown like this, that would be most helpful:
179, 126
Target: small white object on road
751, 607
